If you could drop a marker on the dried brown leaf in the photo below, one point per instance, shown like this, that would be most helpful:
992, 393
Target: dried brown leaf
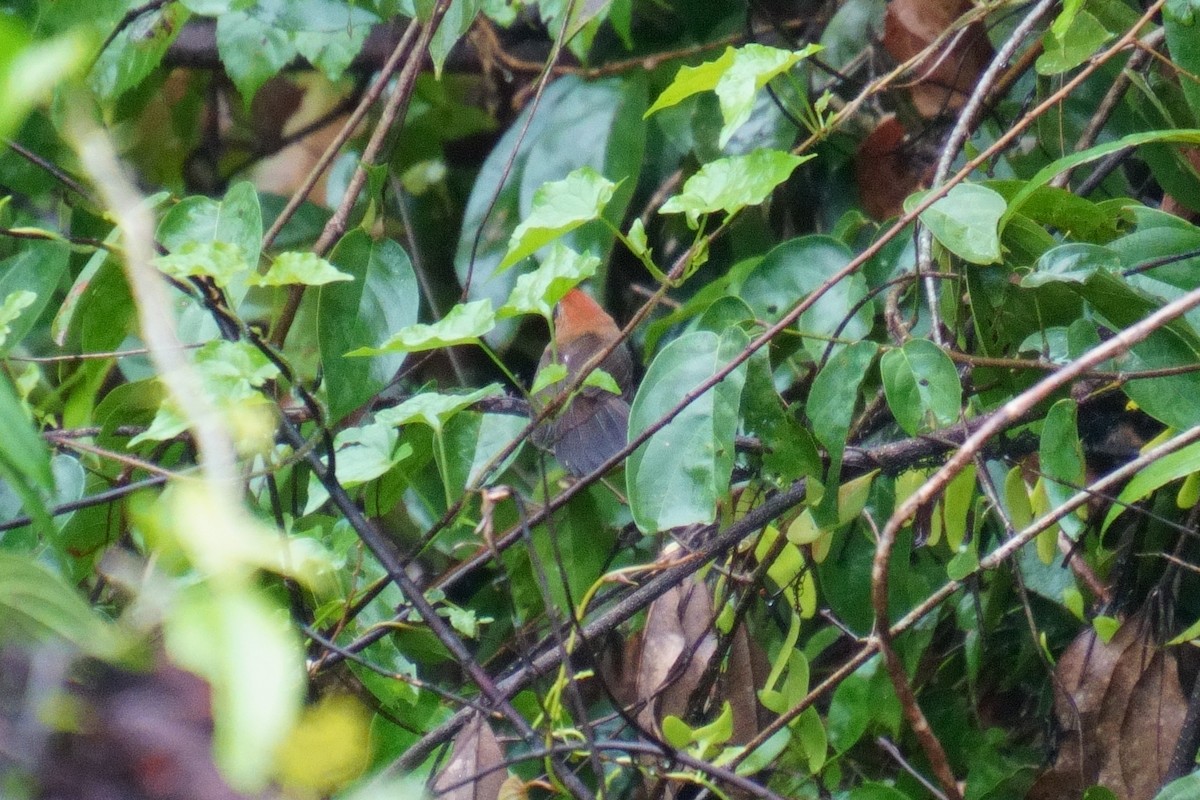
943, 79
1121, 709
476, 769
677, 644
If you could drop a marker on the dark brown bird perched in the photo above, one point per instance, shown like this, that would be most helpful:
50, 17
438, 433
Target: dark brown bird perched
594, 424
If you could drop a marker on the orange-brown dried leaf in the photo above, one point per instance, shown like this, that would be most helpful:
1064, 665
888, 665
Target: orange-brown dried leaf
942, 81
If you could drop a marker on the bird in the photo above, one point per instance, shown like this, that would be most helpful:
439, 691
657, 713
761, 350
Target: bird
594, 423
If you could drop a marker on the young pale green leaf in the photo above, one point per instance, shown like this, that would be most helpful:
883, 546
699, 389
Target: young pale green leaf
638, 243
548, 376
736, 77
693, 80
966, 221
464, 324
221, 261
434, 409
1061, 457
235, 219
10, 311
559, 207
921, 385
363, 454
231, 374
305, 268
731, 184
1067, 48
679, 475
602, 380
234, 368
539, 291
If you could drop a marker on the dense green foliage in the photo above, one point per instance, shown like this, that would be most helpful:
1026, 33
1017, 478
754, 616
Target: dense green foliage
899, 316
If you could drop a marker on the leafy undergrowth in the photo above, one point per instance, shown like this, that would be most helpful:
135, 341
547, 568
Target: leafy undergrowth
907, 501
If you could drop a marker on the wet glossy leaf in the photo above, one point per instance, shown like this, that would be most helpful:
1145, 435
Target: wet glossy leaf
922, 386
966, 222
382, 298
678, 475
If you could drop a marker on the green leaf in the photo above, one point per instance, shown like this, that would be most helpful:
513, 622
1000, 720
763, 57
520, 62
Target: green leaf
680, 474
303, 268
382, 298
559, 207
1067, 49
136, 50
434, 409
14, 303
539, 291
965, 221
21, 448
1072, 263
1171, 467
731, 184
464, 324
830, 407
762, 757
232, 374
736, 77
34, 271
1061, 457
794, 270
456, 22
258, 42
676, 732
548, 376
579, 122
1179, 22
362, 454
922, 386
236, 220
1048, 172
218, 260
602, 380
1181, 789
37, 604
